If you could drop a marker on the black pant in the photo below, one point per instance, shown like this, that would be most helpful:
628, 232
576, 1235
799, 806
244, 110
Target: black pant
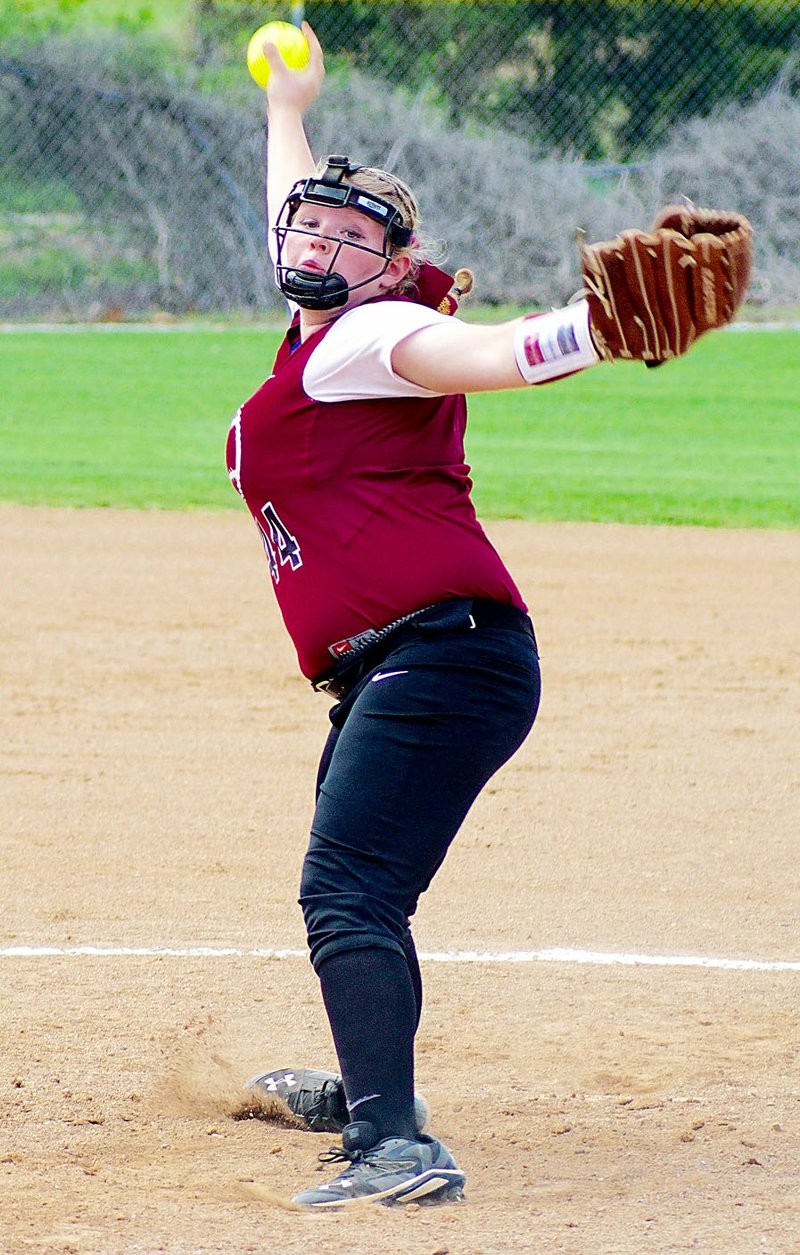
406, 757
426, 724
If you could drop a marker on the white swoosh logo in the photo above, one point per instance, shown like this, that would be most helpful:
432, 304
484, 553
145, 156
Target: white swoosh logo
384, 675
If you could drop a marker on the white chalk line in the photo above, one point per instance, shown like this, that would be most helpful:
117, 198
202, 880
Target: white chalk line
583, 957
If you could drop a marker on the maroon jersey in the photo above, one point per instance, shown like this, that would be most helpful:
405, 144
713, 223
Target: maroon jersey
363, 504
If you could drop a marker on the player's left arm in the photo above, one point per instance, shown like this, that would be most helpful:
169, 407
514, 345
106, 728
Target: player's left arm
453, 356
648, 296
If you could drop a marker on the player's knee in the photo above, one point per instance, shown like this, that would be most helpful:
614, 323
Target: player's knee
338, 921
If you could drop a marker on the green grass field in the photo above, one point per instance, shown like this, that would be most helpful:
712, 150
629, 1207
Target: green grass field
138, 418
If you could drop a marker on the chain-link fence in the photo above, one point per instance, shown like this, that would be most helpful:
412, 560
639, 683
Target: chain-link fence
131, 178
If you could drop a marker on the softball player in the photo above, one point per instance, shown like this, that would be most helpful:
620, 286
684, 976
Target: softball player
350, 458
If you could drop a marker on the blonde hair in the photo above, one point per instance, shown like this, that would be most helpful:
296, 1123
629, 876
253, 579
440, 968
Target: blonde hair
421, 248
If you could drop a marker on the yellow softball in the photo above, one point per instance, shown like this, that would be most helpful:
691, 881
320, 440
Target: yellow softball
290, 42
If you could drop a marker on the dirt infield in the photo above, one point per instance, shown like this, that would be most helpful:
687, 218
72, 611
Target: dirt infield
157, 765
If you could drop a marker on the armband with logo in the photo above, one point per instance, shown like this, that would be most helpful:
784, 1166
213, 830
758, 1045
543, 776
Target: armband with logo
549, 346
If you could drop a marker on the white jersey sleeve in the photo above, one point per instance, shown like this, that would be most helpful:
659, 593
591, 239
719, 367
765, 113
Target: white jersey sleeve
354, 360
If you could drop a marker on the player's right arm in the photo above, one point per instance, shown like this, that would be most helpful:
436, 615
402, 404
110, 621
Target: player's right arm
290, 93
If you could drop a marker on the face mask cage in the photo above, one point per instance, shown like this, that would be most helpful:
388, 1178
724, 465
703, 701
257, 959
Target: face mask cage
311, 289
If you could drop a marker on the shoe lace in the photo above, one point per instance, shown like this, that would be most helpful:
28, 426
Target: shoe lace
337, 1154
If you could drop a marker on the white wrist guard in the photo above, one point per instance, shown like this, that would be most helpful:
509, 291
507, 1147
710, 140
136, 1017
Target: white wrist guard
548, 346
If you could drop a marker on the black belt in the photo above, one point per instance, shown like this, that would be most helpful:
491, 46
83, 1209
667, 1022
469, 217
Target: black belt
459, 613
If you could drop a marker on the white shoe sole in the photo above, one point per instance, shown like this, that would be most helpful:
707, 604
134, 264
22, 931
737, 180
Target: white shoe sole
448, 1181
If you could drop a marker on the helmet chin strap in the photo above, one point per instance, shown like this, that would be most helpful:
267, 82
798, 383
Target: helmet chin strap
311, 290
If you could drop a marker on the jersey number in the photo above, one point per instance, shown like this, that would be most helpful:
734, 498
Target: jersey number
279, 543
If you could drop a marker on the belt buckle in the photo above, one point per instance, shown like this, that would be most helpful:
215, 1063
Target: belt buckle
332, 687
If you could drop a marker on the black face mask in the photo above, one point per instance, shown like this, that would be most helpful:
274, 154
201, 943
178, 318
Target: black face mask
311, 289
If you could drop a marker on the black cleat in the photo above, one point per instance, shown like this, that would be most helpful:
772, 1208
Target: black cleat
318, 1098
392, 1171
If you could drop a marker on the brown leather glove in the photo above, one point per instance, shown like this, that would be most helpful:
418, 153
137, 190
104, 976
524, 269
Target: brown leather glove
652, 293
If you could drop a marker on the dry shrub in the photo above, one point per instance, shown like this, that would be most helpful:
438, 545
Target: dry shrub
509, 210
745, 158
166, 183
502, 206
